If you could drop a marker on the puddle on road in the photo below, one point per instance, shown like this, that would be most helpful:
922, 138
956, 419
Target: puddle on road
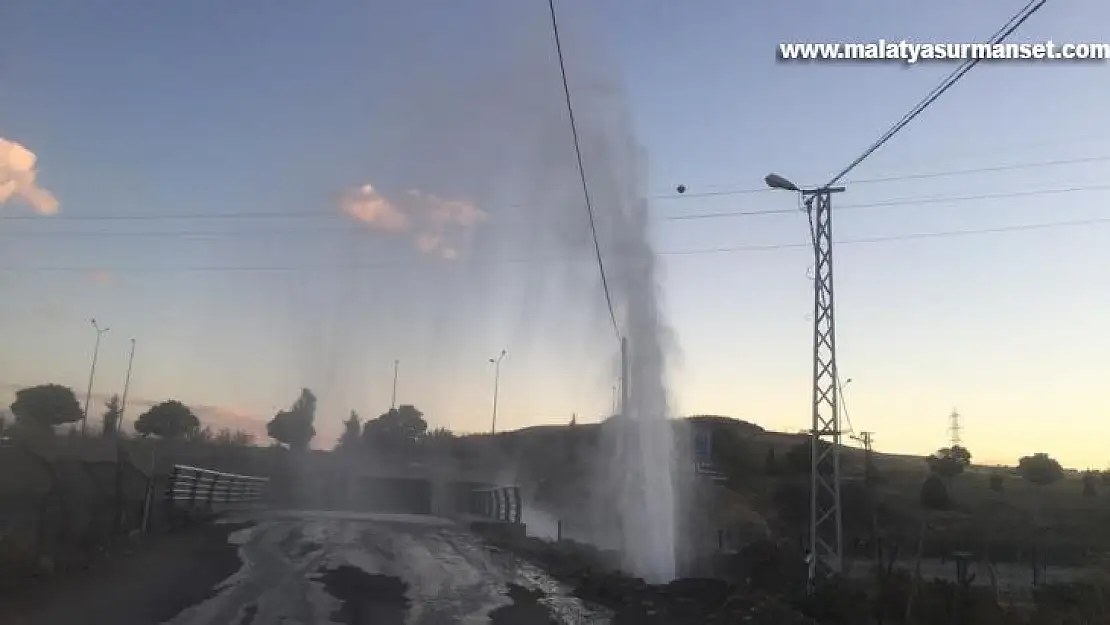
366, 599
524, 610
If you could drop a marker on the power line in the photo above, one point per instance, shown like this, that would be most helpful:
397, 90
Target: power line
902, 177
901, 202
66, 218
564, 259
582, 169
352, 228
1007, 29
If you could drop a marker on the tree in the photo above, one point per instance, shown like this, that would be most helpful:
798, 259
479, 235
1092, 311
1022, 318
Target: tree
352, 431
239, 438
949, 462
44, 406
400, 428
198, 434
1040, 469
111, 417
934, 493
1089, 484
294, 427
169, 420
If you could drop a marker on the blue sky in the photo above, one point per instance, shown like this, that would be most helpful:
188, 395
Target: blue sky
254, 109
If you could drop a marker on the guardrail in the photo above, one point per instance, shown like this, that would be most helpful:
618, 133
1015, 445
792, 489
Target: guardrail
205, 489
502, 503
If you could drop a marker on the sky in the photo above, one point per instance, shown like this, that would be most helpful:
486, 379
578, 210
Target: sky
269, 196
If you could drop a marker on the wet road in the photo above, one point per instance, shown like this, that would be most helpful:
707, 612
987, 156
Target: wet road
309, 568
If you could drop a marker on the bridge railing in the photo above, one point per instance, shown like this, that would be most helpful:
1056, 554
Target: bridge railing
502, 503
204, 489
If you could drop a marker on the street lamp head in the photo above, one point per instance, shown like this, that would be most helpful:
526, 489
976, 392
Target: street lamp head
776, 181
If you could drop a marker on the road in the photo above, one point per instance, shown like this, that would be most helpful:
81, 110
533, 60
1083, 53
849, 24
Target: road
310, 568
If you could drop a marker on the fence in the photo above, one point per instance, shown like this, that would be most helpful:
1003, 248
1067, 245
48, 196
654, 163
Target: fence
62, 501
502, 503
196, 489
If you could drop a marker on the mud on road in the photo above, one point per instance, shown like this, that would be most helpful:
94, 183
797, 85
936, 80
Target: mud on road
323, 568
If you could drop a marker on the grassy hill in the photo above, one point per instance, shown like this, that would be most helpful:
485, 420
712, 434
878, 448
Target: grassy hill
558, 467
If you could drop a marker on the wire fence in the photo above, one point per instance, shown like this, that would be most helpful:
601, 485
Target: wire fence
65, 500
62, 504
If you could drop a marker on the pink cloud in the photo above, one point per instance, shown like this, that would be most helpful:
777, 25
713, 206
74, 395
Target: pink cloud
18, 177
435, 225
368, 206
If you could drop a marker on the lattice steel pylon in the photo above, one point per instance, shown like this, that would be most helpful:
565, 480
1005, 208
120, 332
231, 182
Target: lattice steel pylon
826, 542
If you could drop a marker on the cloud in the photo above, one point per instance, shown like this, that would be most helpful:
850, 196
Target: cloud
371, 208
435, 225
18, 179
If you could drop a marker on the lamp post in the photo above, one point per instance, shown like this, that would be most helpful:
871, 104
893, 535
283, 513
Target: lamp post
826, 543
126, 388
496, 362
393, 399
92, 372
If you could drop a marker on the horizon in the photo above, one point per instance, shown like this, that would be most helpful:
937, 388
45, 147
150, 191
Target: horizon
269, 198
217, 419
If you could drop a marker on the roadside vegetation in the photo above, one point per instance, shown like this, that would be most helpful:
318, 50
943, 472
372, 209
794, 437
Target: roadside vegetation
66, 495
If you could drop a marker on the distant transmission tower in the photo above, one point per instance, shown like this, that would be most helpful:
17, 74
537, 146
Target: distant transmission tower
954, 428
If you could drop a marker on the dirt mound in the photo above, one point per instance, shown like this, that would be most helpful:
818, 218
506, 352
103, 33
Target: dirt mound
695, 601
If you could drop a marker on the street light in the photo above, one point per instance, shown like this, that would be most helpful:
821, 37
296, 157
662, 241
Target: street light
496, 362
92, 372
776, 181
393, 401
126, 388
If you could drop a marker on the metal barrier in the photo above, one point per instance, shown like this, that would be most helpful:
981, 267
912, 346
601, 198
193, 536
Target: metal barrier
205, 489
502, 503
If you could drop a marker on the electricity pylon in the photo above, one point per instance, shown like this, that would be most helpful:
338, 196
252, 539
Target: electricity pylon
826, 530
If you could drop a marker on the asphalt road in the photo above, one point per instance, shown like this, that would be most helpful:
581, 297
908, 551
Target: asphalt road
309, 568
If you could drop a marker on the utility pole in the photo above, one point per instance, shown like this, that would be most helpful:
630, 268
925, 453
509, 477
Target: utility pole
626, 364
92, 373
393, 397
867, 438
126, 387
954, 428
826, 530
496, 384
